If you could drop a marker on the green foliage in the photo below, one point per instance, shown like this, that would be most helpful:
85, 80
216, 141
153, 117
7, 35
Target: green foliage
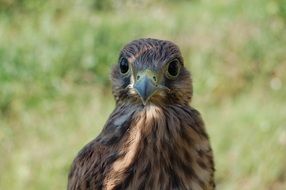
55, 60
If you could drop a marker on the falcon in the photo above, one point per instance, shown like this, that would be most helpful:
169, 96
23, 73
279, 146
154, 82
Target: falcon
153, 139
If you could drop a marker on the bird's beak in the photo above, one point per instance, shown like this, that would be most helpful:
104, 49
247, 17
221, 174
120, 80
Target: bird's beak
146, 84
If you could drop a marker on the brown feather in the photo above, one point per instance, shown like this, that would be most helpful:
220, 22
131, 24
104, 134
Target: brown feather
162, 145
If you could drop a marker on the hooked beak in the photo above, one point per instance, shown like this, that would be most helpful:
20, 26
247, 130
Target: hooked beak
146, 85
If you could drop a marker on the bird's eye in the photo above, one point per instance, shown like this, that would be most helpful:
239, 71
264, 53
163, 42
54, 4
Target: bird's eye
173, 69
124, 66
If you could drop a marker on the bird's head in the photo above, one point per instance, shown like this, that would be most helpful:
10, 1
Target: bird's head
151, 71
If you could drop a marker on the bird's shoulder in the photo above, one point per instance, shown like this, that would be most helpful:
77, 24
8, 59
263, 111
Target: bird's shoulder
87, 163
98, 149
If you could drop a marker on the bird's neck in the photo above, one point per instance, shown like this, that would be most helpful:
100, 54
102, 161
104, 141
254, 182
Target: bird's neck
156, 139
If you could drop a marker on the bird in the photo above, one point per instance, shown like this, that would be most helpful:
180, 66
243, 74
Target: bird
154, 138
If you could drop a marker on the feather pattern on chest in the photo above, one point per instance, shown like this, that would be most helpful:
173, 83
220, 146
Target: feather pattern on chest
149, 148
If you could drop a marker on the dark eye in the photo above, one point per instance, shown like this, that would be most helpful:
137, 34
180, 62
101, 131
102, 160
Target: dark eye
173, 68
124, 66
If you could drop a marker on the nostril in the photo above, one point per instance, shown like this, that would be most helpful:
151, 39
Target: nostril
138, 77
155, 78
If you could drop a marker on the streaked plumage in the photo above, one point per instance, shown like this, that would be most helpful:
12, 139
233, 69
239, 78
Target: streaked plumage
153, 139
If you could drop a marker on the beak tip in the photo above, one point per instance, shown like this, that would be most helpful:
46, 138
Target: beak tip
145, 88
144, 98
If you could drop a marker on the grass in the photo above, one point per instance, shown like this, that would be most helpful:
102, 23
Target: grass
55, 95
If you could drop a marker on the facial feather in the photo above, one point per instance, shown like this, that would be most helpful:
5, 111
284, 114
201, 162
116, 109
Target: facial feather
154, 55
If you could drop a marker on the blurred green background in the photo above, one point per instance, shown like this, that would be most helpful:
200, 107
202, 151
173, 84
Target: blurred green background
55, 94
